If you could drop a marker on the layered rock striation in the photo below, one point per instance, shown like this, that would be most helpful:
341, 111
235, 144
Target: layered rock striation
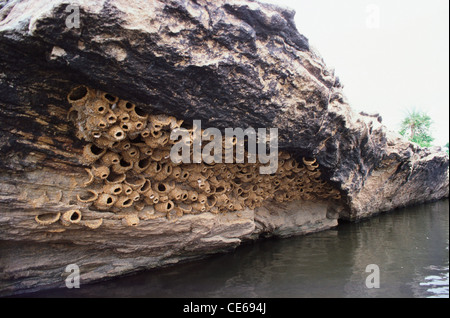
226, 63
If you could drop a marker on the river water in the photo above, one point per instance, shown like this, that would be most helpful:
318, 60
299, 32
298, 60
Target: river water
409, 247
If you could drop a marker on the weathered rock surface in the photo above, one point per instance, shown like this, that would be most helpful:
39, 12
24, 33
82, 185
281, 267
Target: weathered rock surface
227, 63
40, 258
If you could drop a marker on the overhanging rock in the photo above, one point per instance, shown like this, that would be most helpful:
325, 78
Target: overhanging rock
226, 63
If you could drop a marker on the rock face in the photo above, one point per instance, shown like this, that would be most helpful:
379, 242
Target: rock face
226, 63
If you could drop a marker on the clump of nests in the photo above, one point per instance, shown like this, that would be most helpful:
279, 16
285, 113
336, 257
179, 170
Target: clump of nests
130, 168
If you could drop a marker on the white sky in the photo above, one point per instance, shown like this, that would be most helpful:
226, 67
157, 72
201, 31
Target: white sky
399, 65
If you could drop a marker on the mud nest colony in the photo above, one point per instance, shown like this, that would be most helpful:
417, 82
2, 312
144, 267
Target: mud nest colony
130, 169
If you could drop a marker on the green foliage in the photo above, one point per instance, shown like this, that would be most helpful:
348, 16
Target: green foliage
416, 127
446, 146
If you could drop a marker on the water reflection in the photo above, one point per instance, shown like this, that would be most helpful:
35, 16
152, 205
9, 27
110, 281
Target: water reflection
410, 246
437, 282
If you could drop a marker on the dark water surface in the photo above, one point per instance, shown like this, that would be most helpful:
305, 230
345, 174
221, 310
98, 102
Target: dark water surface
409, 246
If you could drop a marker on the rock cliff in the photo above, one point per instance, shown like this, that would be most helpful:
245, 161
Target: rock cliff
226, 63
